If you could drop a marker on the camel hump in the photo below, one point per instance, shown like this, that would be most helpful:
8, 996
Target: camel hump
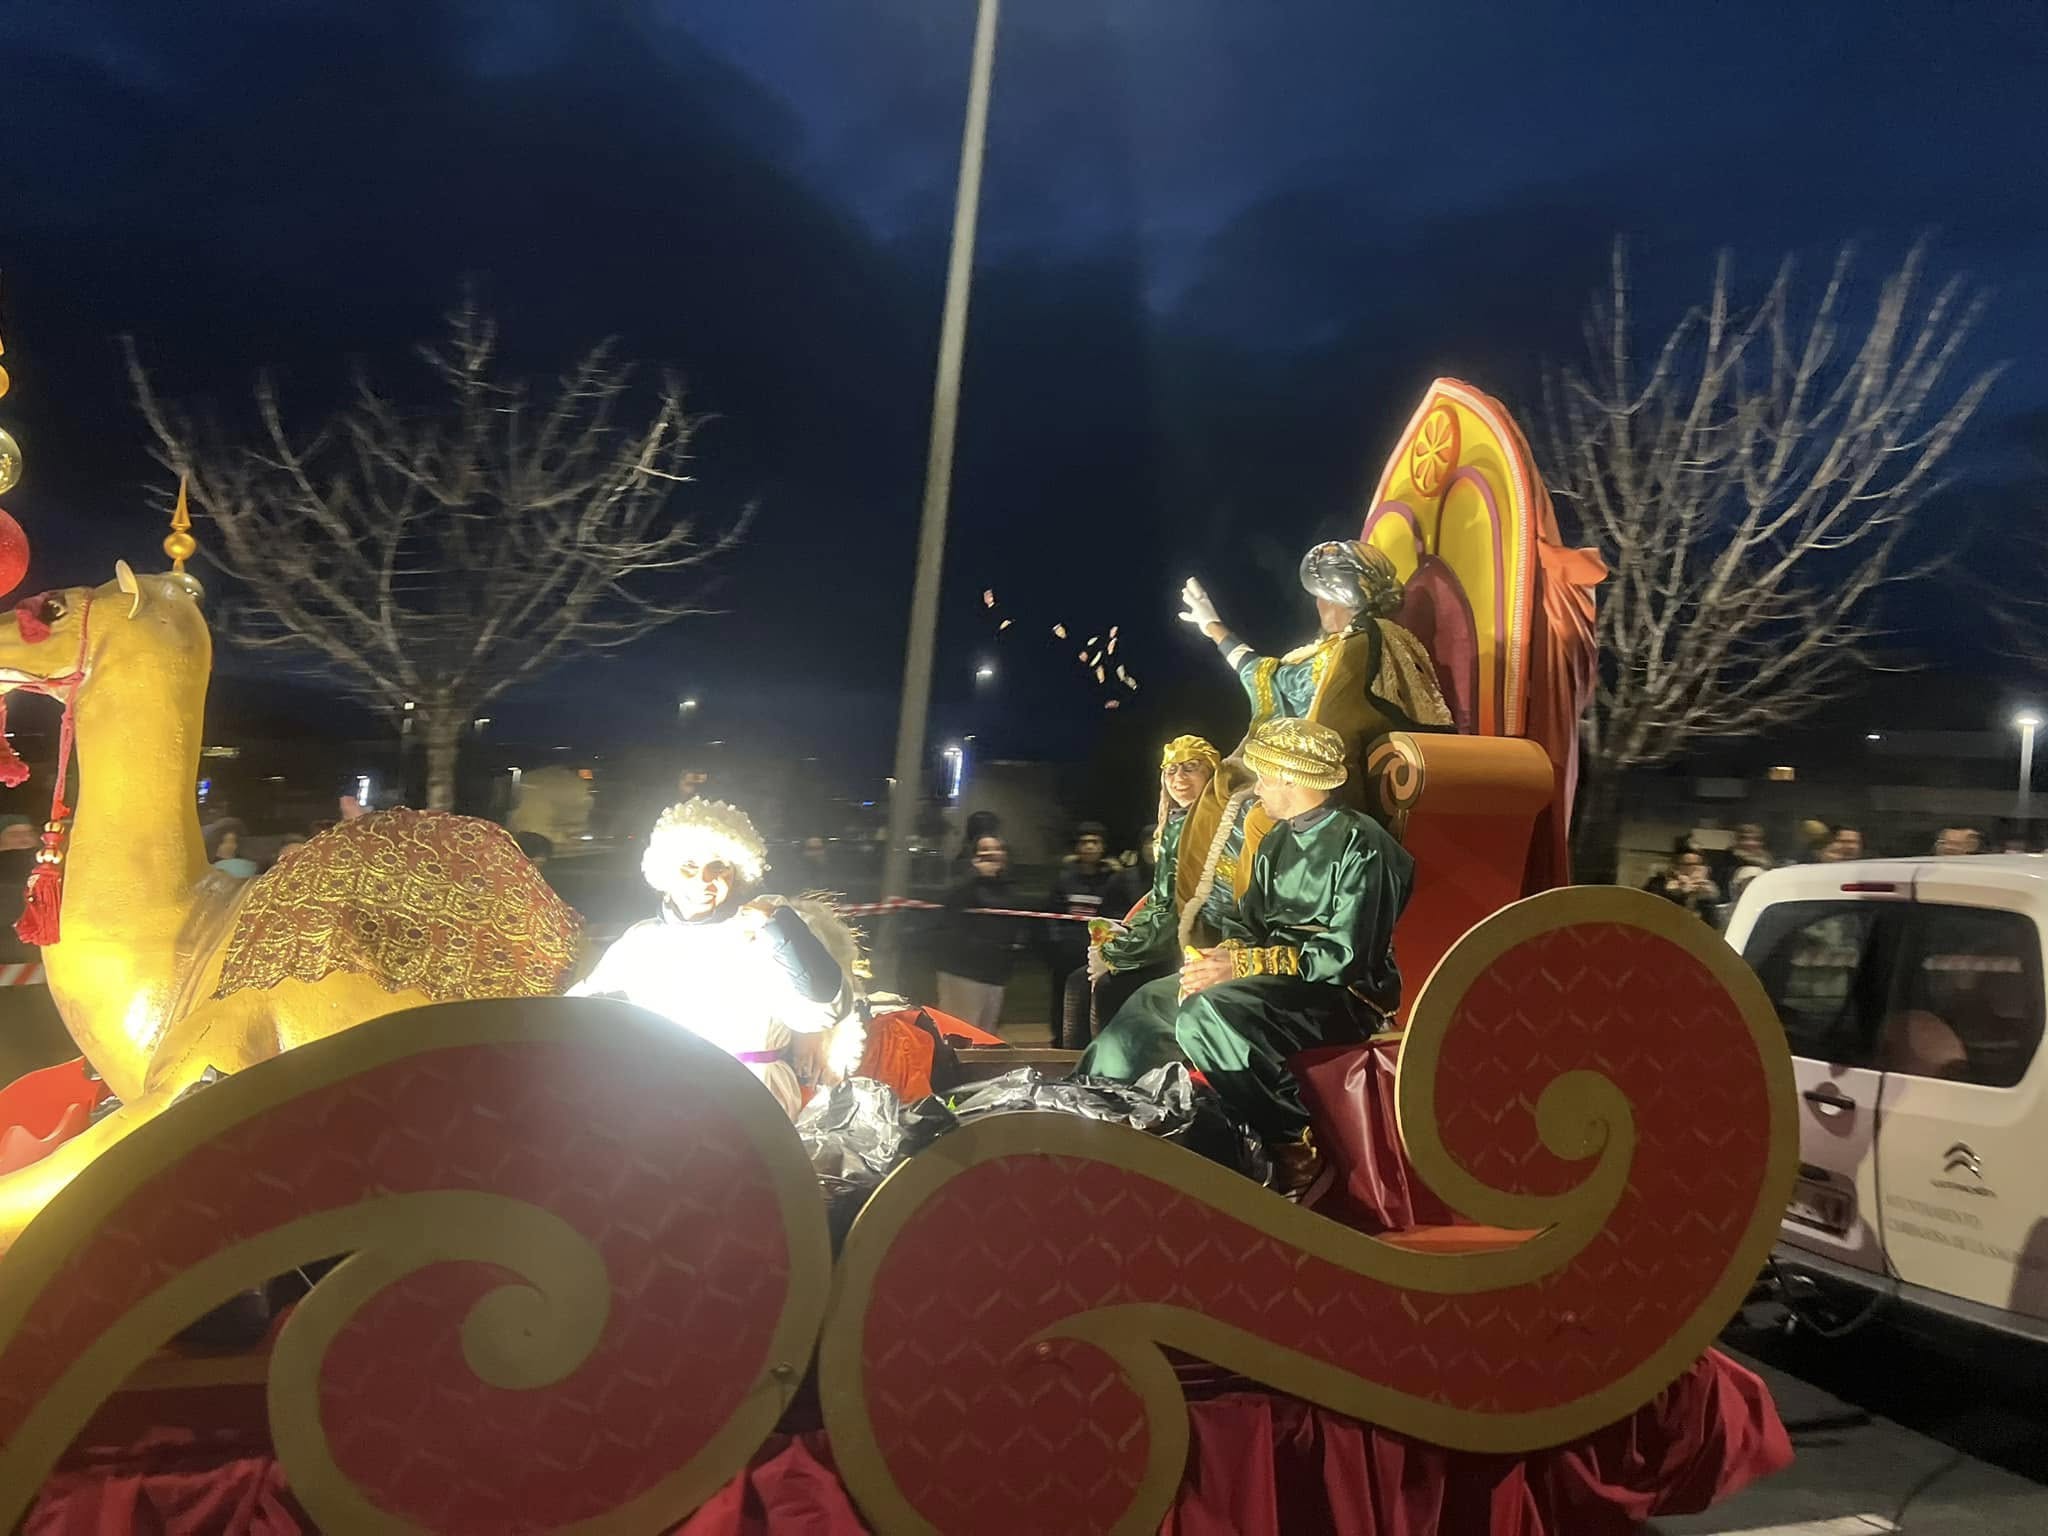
422, 900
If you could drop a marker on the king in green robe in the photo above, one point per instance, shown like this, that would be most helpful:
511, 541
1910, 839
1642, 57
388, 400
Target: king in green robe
1309, 948
1202, 808
1198, 853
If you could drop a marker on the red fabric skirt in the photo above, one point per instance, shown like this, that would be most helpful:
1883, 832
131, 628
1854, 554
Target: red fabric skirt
1259, 1464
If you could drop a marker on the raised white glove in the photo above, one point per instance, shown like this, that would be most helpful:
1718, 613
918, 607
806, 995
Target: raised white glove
1197, 609
1097, 966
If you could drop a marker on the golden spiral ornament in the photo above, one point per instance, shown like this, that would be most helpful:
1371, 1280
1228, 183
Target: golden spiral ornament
1396, 772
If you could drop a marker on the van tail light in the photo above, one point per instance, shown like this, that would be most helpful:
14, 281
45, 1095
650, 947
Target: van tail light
1872, 887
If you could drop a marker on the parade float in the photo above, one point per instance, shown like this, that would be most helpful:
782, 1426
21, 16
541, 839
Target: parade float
586, 1280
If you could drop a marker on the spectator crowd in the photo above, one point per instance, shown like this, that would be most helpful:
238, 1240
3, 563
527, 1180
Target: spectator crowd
1708, 882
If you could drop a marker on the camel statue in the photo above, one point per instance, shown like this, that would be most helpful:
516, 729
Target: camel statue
165, 971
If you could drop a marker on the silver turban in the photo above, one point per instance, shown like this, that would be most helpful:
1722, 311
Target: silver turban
1355, 574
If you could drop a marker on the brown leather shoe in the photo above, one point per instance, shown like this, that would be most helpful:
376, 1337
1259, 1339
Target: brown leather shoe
1297, 1166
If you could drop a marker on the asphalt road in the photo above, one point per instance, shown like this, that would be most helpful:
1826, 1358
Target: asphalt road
1896, 1432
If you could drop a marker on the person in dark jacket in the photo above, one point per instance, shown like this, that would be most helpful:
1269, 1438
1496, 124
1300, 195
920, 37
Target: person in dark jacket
1087, 886
979, 825
1686, 883
976, 953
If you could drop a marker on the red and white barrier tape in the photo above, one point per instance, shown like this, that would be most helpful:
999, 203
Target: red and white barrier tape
907, 904
604, 935
21, 975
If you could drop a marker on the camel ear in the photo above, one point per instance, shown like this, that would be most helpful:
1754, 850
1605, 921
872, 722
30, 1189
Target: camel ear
125, 579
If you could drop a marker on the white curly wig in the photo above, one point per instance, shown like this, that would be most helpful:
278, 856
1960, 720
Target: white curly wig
702, 832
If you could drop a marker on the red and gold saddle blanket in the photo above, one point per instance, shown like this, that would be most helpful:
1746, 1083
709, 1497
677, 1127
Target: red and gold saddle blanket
423, 900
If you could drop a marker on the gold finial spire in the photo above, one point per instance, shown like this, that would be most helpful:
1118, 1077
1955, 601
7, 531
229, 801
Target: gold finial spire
180, 545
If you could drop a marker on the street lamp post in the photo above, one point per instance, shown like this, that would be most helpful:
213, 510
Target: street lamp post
2029, 722
907, 793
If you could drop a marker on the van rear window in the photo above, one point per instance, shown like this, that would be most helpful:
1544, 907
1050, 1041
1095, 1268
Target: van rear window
1814, 958
1968, 1008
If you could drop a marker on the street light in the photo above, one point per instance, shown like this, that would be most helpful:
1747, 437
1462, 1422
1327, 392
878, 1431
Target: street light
688, 706
2028, 721
938, 472
985, 673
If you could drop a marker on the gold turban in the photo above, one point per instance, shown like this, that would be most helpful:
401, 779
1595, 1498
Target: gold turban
1189, 748
1297, 752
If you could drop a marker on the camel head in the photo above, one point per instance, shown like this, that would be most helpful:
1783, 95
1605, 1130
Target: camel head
137, 638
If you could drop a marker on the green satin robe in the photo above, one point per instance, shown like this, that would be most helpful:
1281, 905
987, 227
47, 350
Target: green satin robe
1317, 924
1324, 893
1153, 937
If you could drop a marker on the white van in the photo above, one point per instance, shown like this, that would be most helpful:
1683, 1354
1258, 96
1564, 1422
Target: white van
1911, 994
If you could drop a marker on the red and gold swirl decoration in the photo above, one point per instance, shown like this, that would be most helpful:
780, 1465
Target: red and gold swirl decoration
1591, 1066
589, 1262
588, 1265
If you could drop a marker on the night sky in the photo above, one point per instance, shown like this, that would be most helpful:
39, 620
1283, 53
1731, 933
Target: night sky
1224, 246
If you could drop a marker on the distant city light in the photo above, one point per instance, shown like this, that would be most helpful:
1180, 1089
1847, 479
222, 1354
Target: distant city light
205, 789
1782, 774
985, 673
686, 706
956, 770
1874, 736
409, 706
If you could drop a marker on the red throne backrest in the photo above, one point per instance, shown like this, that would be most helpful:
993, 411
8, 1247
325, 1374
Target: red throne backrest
1437, 612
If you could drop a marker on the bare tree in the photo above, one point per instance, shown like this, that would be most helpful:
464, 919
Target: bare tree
433, 560
2013, 600
1751, 485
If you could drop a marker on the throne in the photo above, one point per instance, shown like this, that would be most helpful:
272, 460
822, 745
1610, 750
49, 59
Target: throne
1505, 611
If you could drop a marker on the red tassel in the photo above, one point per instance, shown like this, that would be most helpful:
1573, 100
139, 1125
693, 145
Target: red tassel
45, 894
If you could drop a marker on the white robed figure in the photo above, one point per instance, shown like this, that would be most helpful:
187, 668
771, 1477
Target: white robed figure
755, 976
